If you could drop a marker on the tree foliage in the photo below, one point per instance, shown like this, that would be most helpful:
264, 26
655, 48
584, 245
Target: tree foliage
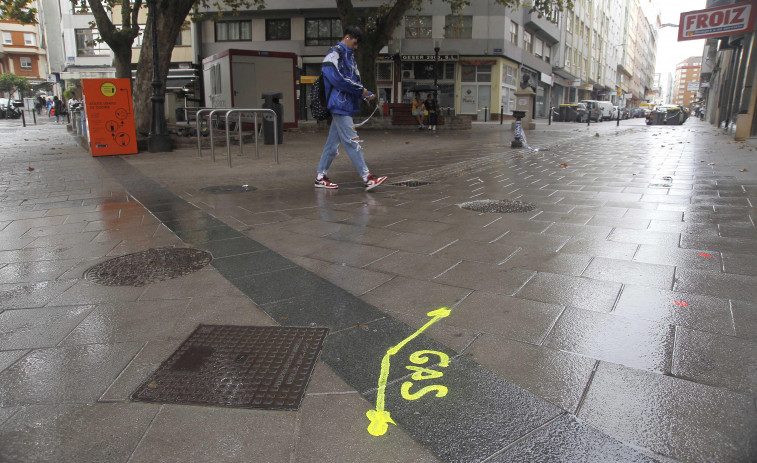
11, 83
18, 10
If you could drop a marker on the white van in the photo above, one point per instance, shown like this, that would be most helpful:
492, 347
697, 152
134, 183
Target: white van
608, 112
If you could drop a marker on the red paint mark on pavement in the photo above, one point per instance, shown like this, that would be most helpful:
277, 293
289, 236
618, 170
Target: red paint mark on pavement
681, 303
705, 255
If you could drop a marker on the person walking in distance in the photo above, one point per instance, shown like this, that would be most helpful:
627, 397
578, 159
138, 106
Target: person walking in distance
418, 110
57, 108
430, 105
343, 93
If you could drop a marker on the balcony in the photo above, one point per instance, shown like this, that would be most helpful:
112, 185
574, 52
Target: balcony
531, 21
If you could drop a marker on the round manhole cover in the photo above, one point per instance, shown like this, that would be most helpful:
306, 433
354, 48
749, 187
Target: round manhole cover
141, 268
502, 206
410, 183
225, 189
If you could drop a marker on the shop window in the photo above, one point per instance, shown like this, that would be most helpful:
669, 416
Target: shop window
278, 29
476, 73
323, 31
458, 27
509, 75
384, 71
229, 31
26, 63
87, 43
417, 27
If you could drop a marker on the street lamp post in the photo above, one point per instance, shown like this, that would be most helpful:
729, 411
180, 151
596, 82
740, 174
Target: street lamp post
437, 46
158, 141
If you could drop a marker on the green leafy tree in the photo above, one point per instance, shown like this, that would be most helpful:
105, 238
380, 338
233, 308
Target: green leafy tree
13, 84
18, 10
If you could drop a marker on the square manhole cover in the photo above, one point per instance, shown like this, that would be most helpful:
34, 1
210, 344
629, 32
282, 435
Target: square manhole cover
237, 366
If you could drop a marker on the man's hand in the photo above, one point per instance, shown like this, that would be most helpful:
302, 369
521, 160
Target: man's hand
366, 97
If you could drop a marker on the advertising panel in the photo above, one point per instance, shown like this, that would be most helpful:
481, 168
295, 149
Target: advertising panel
110, 116
717, 22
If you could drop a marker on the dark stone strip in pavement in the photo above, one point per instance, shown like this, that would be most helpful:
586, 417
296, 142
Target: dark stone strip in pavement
482, 414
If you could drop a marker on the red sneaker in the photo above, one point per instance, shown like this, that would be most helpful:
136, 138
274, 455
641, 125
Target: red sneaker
373, 182
325, 183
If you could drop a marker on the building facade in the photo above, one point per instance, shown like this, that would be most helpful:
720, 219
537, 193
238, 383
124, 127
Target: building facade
21, 52
686, 82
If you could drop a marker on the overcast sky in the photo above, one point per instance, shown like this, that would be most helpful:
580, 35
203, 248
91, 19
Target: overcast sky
669, 50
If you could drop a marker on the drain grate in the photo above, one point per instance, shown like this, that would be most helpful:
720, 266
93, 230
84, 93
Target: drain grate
225, 189
238, 366
502, 206
660, 185
145, 267
410, 183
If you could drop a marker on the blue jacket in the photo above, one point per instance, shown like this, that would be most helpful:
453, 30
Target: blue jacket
342, 80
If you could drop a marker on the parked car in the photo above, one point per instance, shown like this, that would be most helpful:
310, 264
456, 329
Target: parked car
588, 109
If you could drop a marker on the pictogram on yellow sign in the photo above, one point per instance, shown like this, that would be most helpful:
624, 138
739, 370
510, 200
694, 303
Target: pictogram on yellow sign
108, 89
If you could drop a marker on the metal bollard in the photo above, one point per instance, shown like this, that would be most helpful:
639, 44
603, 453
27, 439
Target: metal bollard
550, 116
486, 112
501, 114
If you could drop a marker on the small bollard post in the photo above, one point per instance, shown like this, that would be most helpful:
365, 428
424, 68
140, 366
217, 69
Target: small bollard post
501, 114
518, 136
550, 116
618, 124
486, 112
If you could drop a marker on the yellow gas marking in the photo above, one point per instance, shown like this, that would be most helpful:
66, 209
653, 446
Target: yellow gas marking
379, 417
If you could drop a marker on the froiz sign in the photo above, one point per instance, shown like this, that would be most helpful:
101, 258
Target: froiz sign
717, 22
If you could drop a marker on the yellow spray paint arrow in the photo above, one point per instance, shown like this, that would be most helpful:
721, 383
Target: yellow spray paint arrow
379, 417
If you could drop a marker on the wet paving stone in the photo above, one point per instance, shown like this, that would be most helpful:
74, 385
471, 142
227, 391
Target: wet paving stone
237, 366
141, 268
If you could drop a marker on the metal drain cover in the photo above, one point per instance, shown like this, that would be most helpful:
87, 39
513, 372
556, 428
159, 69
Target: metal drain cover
238, 366
410, 183
502, 206
660, 185
141, 268
225, 189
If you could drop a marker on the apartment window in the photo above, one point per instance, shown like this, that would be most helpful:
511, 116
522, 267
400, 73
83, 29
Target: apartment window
538, 47
513, 33
30, 39
528, 44
568, 53
547, 53
458, 27
7, 38
323, 31
278, 29
417, 27
229, 31
26, 62
569, 22
87, 43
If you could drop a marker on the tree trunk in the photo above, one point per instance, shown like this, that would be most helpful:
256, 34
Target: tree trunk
170, 16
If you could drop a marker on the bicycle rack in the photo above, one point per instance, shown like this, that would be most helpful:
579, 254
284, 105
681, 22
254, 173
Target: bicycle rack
198, 121
255, 112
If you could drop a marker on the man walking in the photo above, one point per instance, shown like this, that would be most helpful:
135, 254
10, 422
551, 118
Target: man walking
343, 93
